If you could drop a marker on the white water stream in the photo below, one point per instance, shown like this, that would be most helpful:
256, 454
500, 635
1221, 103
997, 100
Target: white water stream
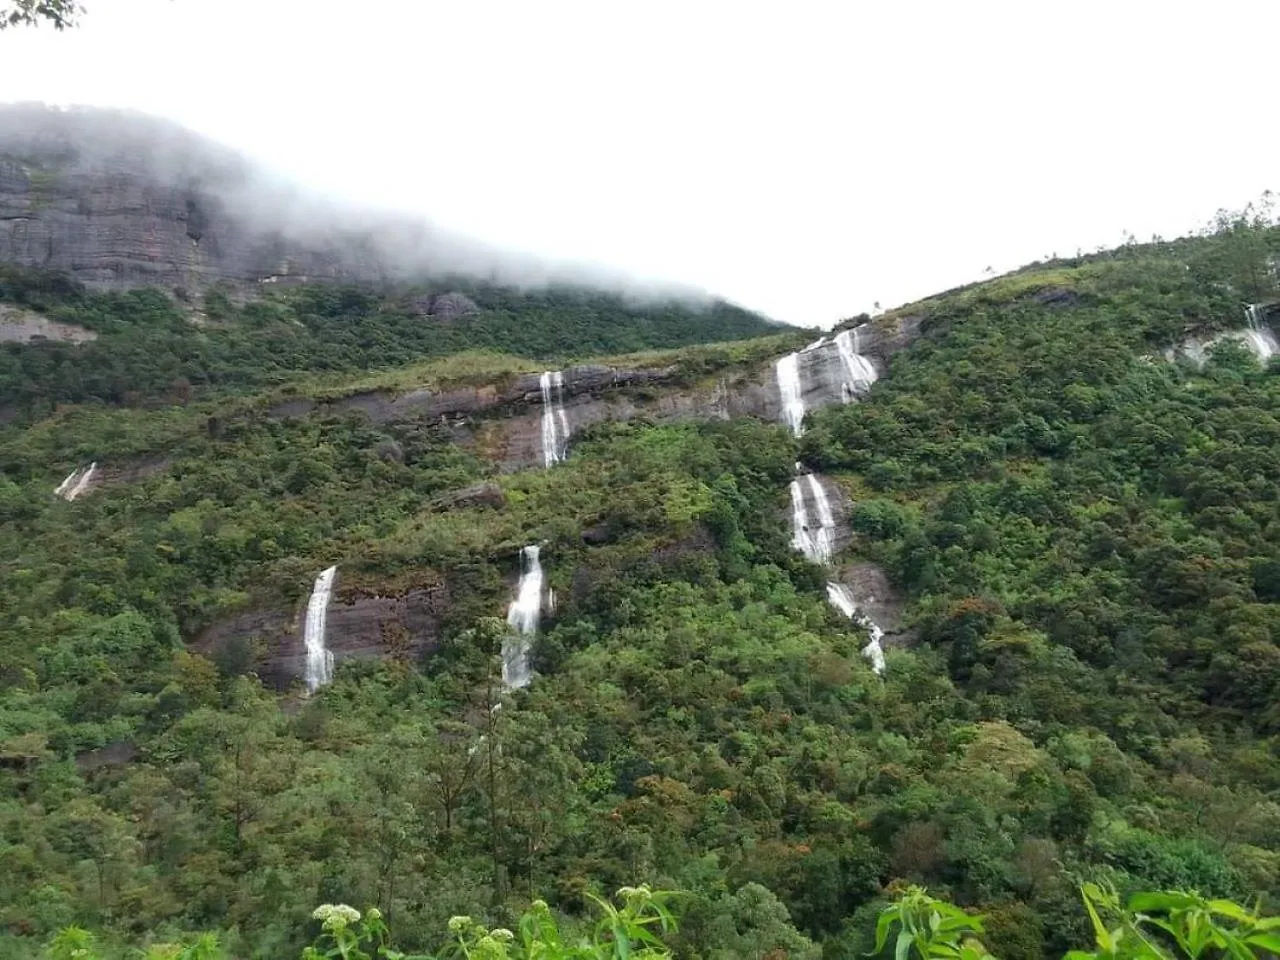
523, 616
813, 533
319, 658
827, 371
1258, 336
812, 530
859, 373
839, 597
77, 482
555, 423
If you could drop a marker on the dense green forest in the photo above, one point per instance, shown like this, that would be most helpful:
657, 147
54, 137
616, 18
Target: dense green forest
1087, 537
148, 349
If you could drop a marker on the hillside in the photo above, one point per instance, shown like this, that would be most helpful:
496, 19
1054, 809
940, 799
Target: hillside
1061, 542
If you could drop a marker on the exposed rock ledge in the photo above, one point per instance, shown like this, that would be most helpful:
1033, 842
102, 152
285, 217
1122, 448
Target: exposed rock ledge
23, 326
359, 624
382, 405
108, 474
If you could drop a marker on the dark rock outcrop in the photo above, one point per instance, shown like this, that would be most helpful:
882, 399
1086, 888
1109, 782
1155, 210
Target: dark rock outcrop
359, 624
445, 307
881, 338
112, 755
452, 306
405, 626
485, 494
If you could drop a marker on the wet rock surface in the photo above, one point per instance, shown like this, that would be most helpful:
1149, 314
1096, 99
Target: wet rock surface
404, 626
869, 586
359, 623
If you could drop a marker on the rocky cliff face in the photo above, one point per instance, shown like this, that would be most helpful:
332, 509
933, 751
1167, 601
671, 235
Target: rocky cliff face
359, 624
24, 326
118, 199
869, 586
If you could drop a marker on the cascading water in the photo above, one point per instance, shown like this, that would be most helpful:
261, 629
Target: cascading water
791, 392
65, 485
1258, 336
319, 657
555, 423
813, 532
812, 366
83, 483
859, 372
839, 597
523, 616
76, 483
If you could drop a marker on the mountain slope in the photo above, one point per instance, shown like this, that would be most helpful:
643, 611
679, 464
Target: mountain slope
1082, 532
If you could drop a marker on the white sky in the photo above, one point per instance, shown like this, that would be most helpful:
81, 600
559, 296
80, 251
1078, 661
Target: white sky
804, 159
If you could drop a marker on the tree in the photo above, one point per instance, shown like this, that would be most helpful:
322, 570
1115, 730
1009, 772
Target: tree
30, 13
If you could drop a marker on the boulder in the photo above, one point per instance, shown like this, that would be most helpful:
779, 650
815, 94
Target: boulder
487, 494
448, 307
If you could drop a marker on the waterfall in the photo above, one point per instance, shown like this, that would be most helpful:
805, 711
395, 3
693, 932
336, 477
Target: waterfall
66, 484
859, 373
555, 423
812, 533
76, 483
1258, 337
791, 392
840, 598
319, 657
83, 483
853, 373
813, 529
523, 616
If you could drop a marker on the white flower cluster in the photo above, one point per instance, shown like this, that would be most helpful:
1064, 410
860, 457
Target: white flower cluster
335, 916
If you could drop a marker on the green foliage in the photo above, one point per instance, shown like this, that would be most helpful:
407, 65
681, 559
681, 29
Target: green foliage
1170, 925
1085, 686
152, 350
927, 927
621, 933
1174, 924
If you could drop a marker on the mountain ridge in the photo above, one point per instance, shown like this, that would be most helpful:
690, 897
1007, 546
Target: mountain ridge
118, 199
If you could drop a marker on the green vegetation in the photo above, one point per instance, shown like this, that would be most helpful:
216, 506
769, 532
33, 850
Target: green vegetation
151, 350
1086, 539
1152, 926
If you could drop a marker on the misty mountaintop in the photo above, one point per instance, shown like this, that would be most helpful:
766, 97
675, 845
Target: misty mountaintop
117, 199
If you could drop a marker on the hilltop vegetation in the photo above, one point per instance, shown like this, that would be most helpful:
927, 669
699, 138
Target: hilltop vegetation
1086, 536
152, 349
